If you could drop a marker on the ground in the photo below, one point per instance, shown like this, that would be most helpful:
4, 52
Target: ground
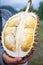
37, 58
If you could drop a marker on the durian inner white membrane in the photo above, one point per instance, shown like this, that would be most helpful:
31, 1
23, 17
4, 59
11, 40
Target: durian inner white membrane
22, 18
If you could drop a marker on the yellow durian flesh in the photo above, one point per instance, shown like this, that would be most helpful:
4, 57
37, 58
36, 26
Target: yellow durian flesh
10, 41
30, 23
10, 30
22, 26
14, 22
28, 38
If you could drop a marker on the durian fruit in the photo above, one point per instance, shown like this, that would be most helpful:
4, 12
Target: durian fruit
20, 34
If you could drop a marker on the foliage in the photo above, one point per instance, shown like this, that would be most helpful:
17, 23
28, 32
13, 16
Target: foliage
40, 10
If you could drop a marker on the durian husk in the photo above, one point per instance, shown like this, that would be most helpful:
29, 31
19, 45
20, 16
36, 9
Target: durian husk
35, 39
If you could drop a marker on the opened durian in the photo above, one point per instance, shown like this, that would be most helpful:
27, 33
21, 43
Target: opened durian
20, 34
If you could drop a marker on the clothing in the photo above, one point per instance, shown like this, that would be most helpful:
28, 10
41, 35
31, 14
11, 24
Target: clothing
25, 63
1, 52
1, 60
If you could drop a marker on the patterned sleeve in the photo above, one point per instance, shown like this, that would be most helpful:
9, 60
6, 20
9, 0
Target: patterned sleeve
1, 52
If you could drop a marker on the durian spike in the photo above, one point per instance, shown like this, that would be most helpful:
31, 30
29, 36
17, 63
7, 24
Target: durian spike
28, 6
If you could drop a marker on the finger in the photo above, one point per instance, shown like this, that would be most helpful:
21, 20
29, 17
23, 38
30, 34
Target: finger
8, 59
19, 59
27, 58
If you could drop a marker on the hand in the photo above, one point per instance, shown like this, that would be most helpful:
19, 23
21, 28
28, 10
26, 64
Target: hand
10, 60
26, 58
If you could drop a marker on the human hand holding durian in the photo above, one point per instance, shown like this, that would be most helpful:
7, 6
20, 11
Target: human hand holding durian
20, 34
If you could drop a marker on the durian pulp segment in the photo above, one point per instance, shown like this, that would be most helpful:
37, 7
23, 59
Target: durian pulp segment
9, 41
10, 30
22, 26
